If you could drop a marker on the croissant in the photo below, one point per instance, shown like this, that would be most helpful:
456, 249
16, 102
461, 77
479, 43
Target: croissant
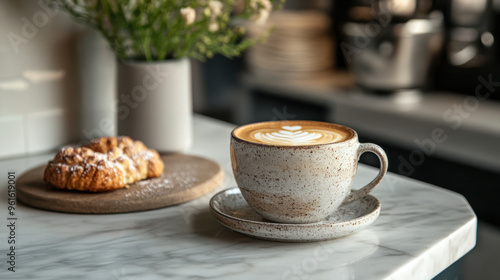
105, 164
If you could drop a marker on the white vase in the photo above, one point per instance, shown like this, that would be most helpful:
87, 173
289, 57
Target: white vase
155, 104
97, 69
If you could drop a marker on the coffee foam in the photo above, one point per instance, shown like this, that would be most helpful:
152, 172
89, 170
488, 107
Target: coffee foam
292, 134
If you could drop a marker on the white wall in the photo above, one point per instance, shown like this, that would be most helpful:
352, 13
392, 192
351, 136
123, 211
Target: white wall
41, 54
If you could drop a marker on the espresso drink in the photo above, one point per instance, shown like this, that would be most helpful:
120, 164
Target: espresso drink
293, 133
299, 171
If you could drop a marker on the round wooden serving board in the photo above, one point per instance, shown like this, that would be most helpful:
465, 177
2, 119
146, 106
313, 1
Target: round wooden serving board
185, 178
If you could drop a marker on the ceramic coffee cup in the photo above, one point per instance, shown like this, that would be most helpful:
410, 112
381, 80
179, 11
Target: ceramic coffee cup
299, 171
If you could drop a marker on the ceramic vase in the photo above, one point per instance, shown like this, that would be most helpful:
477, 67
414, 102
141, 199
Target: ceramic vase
155, 103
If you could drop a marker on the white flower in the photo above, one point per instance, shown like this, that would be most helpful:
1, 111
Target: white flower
215, 7
253, 4
266, 4
213, 26
188, 15
263, 10
262, 16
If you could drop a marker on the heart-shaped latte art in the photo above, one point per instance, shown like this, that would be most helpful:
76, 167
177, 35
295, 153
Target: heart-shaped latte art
296, 135
292, 128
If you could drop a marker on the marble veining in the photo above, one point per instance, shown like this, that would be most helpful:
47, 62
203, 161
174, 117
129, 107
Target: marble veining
421, 230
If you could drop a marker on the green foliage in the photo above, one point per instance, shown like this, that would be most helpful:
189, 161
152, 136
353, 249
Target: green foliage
155, 30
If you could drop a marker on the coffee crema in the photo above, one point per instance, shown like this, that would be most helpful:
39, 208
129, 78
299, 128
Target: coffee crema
293, 133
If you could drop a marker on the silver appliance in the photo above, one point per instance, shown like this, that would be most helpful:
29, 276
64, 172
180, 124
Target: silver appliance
399, 57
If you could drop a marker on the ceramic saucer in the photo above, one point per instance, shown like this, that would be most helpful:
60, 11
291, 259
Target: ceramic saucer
230, 209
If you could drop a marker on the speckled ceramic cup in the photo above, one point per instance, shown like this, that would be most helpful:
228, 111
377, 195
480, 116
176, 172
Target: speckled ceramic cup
299, 182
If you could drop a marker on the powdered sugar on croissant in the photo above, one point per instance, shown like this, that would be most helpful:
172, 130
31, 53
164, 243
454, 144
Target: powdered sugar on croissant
105, 164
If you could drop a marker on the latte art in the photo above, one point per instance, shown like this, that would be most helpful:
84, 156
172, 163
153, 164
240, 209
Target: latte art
295, 135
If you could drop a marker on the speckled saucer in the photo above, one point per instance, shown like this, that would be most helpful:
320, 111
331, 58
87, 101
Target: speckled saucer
230, 209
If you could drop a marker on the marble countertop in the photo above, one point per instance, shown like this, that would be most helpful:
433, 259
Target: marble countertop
422, 229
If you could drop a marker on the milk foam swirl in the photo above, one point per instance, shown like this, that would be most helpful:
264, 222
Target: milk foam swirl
295, 135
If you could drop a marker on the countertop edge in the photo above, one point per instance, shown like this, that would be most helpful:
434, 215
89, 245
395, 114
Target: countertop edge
441, 255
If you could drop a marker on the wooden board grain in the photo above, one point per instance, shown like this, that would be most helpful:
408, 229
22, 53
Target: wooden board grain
185, 178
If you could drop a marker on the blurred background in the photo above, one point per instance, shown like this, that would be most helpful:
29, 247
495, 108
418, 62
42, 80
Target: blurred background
418, 77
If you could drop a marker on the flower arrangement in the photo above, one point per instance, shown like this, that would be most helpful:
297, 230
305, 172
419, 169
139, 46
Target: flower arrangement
155, 30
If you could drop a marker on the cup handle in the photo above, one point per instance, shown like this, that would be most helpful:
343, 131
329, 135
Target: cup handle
369, 147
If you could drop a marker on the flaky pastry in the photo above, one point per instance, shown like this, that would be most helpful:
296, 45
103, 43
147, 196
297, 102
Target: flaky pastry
105, 164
